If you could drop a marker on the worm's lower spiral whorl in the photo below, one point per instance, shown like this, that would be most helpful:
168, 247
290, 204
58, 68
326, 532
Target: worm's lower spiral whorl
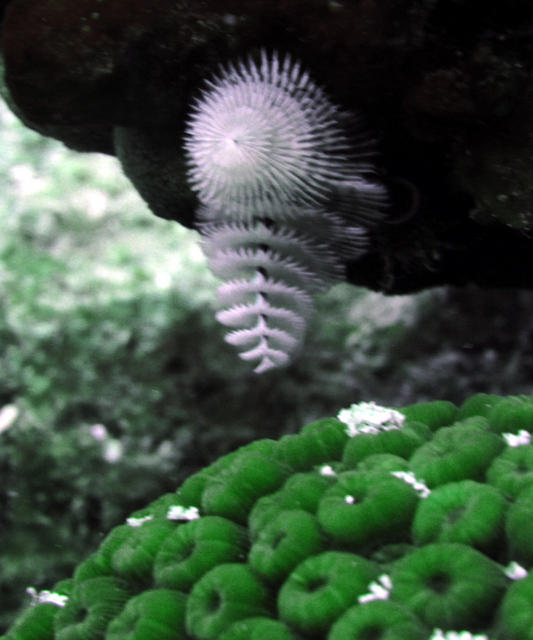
270, 275
286, 198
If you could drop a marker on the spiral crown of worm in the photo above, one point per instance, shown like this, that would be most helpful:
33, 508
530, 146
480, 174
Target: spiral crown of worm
286, 197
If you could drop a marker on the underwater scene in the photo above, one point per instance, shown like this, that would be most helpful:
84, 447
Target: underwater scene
266, 281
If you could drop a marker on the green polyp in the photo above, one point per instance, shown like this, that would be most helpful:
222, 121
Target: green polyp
190, 492
512, 414
258, 629
321, 588
480, 404
283, 543
383, 462
332, 426
378, 620
264, 511
233, 492
366, 509
302, 452
92, 567
99, 563
92, 604
519, 527
467, 512
36, 623
224, 595
512, 470
264, 446
194, 548
300, 491
400, 442
439, 413
462, 451
134, 558
193, 487
153, 615
319, 442
448, 585
515, 616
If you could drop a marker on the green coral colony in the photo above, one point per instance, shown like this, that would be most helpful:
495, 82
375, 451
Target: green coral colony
382, 524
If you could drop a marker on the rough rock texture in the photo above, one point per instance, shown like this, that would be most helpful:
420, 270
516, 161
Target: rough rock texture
446, 84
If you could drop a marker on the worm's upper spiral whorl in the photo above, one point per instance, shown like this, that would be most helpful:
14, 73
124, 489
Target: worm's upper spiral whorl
286, 196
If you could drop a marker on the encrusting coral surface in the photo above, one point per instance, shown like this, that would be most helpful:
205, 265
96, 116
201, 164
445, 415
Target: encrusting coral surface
385, 524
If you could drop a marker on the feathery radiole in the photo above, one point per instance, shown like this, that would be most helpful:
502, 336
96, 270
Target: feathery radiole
287, 195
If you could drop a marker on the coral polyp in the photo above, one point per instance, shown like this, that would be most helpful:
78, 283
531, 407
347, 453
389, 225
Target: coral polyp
295, 540
287, 196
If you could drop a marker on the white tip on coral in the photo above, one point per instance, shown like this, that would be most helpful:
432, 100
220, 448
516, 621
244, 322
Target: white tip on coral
178, 512
46, 597
438, 634
369, 417
519, 439
138, 522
